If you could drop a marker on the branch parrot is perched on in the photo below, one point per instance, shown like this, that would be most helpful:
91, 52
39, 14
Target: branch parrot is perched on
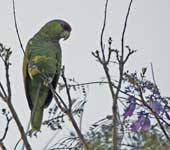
42, 60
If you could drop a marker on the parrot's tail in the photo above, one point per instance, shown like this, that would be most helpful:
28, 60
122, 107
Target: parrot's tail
36, 119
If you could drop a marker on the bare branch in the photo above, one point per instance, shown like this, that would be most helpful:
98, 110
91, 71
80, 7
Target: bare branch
7, 126
80, 135
2, 88
8, 84
20, 127
96, 55
6, 55
124, 30
67, 90
58, 99
88, 83
121, 70
102, 33
117, 54
110, 50
66, 111
2, 146
130, 52
153, 76
16, 27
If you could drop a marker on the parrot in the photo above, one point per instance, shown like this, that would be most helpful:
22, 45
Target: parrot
42, 62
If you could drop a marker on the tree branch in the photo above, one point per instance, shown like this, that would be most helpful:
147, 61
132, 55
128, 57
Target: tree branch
121, 70
2, 146
5, 55
6, 129
67, 90
66, 111
153, 76
102, 33
20, 127
124, 30
2, 88
16, 27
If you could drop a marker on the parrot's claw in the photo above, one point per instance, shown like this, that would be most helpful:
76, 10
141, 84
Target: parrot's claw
34, 67
48, 81
33, 70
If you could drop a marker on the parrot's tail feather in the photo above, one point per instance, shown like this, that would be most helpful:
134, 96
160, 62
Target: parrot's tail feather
36, 119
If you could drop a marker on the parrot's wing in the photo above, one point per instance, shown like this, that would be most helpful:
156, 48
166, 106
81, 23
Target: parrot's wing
26, 79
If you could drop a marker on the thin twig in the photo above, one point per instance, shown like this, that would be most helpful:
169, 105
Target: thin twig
88, 83
130, 52
8, 84
153, 76
1, 95
16, 27
20, 127
96, 55
57, 98
124, 30
102, 33
2, 88
70, 116
121, 70
67, 90
2, 146
117, 54
23, 136
129, 145
9, 103
80, 135
15, 147
7, 126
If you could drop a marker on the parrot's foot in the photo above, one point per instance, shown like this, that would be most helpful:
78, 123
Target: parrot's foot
47, 81
33, 70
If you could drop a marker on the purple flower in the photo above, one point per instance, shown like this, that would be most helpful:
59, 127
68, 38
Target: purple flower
143, 123
135, 126
130, 109
146, 124
156, 107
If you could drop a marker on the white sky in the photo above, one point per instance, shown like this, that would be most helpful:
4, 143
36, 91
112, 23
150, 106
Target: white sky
148, 32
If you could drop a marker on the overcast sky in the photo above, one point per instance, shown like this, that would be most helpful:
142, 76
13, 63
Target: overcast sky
148, 32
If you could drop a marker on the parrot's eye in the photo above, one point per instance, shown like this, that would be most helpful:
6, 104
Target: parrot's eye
66, 27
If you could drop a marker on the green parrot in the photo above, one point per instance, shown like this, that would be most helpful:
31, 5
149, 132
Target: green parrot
42, 62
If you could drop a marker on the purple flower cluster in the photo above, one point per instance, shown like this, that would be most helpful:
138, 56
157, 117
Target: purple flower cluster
142, 123
150, 104
156, 107
148, 85
130, 109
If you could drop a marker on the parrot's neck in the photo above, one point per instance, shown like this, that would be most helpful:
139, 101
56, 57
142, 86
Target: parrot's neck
46, 37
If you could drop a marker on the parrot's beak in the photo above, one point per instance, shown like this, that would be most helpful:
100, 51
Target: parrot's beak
65, 35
